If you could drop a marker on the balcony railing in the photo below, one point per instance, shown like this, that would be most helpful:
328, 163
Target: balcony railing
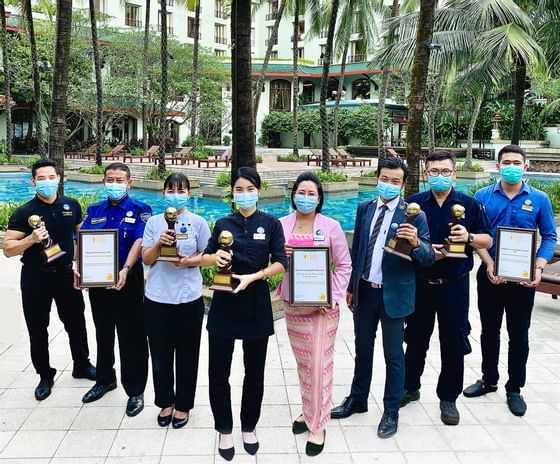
267, 41
271, 16
191, 35
169, 29
220, 40
320, 61
323, 34
300, 38
356, 58
133, 22
219, 14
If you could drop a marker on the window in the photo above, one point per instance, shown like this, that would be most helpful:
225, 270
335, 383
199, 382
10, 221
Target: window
300, 53
219, 52
132, 15
269, 34
169, 22
98, 5
357, 51
219, 9
190, 29
169, 2
280, 95
272, 11
274, 55
361, 88
252, 37
308, 93
301, 30
220, 34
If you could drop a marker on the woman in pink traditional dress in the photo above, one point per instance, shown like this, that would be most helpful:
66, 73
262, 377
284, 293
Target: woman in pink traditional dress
312, 330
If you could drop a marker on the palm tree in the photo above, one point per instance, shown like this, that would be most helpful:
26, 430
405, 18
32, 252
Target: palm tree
164, 89
57, 136
146, 42
7, 81
98, 84
194, 83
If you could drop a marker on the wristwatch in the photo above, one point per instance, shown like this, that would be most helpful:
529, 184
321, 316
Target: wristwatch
127, 267
541, 268
470, 239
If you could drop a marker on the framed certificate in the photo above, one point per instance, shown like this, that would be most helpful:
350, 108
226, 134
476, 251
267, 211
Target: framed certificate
98, 257
515, 254
310, 277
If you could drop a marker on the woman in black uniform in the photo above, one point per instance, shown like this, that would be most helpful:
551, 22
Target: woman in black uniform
257, 253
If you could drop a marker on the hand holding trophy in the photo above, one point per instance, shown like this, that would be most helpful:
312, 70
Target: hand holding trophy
400, 246
169, 252
223, 280
51, 251
452, 248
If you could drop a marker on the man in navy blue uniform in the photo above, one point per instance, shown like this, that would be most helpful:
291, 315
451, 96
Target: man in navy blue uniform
443, 289
511, 203
120, 306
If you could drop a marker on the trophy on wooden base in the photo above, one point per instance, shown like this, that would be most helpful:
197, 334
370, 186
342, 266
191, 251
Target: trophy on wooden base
223, 280
169, 252
399, 246
455, 249
51, 251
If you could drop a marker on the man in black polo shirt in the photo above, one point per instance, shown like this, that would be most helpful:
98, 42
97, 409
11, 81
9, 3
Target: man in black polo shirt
41, 282
443, 289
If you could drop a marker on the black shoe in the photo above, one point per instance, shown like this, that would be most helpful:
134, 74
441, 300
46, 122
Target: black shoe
299, 427
134, 405
164, 421
313, 449
226, 453
98, 391
251, 448
449, 412
347, 408
516, 404
479, 388
44, 388
409, 396
177, 423
88, 372
388, 425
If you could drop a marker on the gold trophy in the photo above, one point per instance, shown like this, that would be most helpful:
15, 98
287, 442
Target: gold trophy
399, 246
169, 252
51, 251
455, 249
223, 280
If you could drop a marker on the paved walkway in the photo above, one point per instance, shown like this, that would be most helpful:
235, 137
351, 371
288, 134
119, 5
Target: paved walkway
63, 430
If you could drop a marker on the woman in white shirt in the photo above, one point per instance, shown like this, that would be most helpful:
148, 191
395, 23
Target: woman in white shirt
173, 303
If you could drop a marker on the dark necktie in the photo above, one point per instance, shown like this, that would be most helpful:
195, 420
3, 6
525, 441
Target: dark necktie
373, 239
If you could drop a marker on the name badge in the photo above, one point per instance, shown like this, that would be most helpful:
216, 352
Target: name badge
130, 220
181, 236
98, 220
527, 208
259, 236
319, 238
67, 213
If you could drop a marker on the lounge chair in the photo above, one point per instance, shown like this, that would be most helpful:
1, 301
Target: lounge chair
115, 153
352, 159
315, 157
225, 158
550, 280
336, 159
150, 155
80, 153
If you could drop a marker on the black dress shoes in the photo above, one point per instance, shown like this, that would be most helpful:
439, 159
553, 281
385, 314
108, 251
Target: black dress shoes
226, 453
347, 408
299, 427
87, 372
479, 388
251, 448
164, 421
134, 405
516, 404
388, 425
409, 396
313, 449
449, 412
177, 423
44, 388
98, 391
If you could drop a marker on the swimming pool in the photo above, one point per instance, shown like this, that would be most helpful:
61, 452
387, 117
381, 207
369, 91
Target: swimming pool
342, 207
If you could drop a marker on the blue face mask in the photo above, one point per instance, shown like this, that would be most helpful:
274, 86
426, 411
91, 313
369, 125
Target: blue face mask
246, 200
46, 188
306, 204
176, 200
511, 174
115, 191
388, 191
440, 183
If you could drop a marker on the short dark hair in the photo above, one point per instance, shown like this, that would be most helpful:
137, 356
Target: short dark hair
43, 163
512, 149
393, 162
118, 166
177, 180
250, 174
440, 155
308, 175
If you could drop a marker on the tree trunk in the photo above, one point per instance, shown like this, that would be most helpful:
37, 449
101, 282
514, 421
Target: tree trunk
519, 98
339, 93
7, 81
326, 165
243, 146
164, 90
419, 77
37, 94
145, 136
470, 135
57, 136
439, 85
271, 41
98, 84
194, 84
295, 80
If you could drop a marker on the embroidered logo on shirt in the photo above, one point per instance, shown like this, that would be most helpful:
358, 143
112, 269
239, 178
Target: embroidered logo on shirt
319, 235
66, 206
145, 216
129, 214
260, 230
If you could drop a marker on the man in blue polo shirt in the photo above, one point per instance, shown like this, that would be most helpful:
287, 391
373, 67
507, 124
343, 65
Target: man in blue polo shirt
443, 289
120, 306
511, 203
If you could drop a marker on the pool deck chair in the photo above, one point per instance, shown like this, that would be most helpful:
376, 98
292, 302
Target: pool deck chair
225, 158
550, 281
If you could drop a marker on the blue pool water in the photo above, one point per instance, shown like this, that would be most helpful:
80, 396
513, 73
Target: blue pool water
342, 207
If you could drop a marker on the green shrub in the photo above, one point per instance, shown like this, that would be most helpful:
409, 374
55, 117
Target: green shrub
31, 161
259, 158
13, 160
369, 174
136, 151
227, 140
94, 169
331, 176
476, 167
106, 148
223, 179
154, 174
290, 157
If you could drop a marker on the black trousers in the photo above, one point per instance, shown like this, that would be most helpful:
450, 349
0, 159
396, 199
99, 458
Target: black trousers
219, 368
121, 310
450, 303
38, 290
517, 303
174, 332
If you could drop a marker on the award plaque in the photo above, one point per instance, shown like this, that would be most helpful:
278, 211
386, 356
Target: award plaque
310, 277
455, 249
169, 252
51, 251
515, 254
223, 281
98, 257
402, 247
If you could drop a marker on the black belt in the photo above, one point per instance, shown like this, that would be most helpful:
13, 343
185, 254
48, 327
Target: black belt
441, 280
50, 269
370, 284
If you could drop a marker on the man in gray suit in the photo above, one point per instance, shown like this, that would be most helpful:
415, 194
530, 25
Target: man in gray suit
382, 288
